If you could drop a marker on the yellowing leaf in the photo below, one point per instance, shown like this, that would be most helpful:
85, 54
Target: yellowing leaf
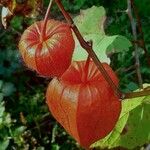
91, 20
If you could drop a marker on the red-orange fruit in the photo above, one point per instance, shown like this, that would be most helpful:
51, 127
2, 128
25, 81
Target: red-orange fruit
50, 53
84, 103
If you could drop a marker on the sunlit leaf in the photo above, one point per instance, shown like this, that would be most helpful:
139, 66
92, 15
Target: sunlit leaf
91, 25
7, 120
91, 20
19, 130
4, 144
138, 128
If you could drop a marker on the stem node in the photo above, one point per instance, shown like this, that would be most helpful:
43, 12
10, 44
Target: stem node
93, 56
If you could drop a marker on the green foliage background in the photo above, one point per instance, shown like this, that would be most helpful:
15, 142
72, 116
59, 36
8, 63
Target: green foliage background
25, 122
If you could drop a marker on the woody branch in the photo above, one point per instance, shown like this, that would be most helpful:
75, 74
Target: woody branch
94, 57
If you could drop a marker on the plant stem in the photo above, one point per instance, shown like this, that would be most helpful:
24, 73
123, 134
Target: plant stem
46, 20
134, 32
88, 48
137, 94
139, 26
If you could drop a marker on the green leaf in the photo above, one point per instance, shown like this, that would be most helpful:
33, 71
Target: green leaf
7, 120
16, 23
1, 84
102, 45
4, 144
1, 96
18, 131
147, 100
130, 104
55, 147
100, 50
91, 25
138, 128
8, 88
91, 20
2, 109
117, 43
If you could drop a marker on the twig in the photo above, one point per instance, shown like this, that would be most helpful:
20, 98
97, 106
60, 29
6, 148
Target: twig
134, 32
89, 49
137, 94
124, 70
94, 57
139, 26
46, 19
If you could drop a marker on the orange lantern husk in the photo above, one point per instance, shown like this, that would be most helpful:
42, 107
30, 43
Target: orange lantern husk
86, 107
50, 53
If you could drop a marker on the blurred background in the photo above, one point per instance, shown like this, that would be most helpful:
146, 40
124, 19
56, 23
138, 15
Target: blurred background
25, 122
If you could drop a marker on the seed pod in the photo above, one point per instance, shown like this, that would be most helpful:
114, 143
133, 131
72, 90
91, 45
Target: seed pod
49, 53
84, 103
